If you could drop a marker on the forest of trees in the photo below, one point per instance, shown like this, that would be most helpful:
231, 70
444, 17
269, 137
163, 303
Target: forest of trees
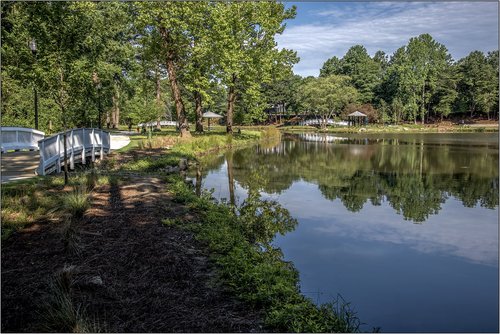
420, 81
111, 63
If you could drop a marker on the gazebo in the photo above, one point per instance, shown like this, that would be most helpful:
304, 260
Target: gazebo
210, 115
357, 118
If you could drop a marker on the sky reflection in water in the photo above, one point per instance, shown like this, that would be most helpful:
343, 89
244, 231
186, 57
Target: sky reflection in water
403, 266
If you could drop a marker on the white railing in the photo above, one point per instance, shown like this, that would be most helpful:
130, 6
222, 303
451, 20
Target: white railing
319, 122
80, 144
322, 138
162, 123
15, 138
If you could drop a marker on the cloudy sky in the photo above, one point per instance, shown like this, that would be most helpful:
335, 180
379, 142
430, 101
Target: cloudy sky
325, 29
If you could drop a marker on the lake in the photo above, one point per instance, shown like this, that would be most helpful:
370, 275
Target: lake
402, 226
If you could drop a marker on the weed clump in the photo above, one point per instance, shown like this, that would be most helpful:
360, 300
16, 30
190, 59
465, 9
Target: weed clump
76, 202
60, 314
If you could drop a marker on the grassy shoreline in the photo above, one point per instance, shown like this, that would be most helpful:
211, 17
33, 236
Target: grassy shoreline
238, 239
407, 128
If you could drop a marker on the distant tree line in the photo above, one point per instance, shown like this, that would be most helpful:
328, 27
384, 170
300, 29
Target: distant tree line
418, 83
112, 63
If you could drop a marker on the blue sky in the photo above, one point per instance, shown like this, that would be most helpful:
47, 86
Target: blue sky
325, 29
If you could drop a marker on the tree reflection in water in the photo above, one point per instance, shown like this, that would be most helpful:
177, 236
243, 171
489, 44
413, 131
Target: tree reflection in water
415, 174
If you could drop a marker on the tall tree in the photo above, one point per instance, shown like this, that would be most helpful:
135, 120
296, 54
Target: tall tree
172, 21
331, 66
327, 96
428, 59
417, 70
246, 45
363, 71
478, 85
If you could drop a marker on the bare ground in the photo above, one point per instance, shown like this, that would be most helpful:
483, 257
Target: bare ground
131, 274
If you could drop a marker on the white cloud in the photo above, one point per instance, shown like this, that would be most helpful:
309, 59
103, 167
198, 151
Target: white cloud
456, 231
461, 27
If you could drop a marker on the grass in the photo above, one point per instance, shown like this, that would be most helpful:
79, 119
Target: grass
188, 148
76, 202
46, 199
60, 314
375, 128
240, 244
27, 201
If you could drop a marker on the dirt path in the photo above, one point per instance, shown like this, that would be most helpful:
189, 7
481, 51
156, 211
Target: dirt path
132, 274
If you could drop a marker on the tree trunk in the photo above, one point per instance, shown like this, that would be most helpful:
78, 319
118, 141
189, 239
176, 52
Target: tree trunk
198, 180
229, 160
114, 112
117, 110
198, 111
108, 119
174, 86
231, 99
158, 96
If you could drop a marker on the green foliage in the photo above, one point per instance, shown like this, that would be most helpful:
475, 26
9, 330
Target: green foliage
478, 84
59, 312
76, 43
240, 243
76, 202
332, 66
327, 96
363, 71
24, 202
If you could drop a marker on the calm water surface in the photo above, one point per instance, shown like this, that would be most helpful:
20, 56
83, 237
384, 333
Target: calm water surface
405, 227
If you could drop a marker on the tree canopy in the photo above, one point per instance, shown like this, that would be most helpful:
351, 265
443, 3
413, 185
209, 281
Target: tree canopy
115, 63
111, 63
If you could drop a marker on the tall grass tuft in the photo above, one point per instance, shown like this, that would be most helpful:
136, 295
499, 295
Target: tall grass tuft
60, 314
71, 239
76, 202
91, 180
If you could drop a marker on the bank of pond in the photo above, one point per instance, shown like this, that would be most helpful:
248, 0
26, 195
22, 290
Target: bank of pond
398, 224
332, 232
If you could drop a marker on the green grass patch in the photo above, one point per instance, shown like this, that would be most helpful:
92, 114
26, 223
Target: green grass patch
45, 198
27, 201
375, 128
240, 243
187, 148
76, 202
